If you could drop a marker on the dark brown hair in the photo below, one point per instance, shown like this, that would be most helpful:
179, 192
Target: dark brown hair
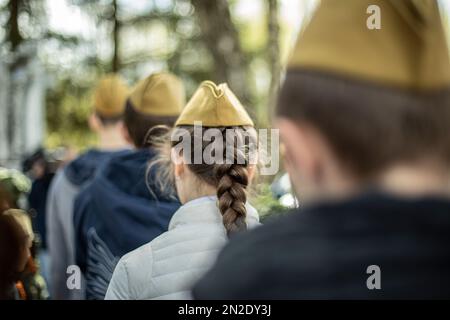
369, 127
139, 124
109, 120
230, 177
12, 241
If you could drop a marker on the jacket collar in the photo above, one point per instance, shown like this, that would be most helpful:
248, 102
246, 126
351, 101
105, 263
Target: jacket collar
205, 210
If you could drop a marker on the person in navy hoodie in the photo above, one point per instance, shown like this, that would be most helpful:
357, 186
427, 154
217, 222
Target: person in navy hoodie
122, 209
106, 121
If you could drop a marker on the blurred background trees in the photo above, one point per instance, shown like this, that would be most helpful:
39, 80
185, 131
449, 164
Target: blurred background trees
235, 41
242, 42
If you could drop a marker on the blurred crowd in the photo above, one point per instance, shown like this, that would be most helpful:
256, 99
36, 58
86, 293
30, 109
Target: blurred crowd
23, 242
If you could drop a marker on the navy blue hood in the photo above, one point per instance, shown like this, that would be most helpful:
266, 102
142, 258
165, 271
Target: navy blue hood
84, 167
117, 213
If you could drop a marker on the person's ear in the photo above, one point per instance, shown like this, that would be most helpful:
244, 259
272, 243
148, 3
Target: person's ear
178, 163
305, 154
179, 170
299, 153
251, 171
94, 123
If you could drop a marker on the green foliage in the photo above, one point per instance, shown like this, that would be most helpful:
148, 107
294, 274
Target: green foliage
68, 108
14, 183
263, 200
160, 35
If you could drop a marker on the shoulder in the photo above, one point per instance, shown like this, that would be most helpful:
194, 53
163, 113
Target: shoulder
250, 259
293, 228
81, 200
132, 271
252, 218
188, 239
267, 235
138, 258
130, 155
119, 286
60, 183
56, 185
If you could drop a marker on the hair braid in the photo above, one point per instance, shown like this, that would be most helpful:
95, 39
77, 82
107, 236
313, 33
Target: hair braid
232, 195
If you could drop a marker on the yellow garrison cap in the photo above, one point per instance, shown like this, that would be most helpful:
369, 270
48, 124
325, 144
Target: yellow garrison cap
409, 51
110, 96
161, 94
214, 106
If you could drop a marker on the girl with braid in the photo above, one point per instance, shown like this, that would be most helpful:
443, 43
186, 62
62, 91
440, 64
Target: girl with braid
210, 159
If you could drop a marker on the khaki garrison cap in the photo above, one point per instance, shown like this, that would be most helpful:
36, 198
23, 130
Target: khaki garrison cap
110, 96
161, 94
409, 51
214, 106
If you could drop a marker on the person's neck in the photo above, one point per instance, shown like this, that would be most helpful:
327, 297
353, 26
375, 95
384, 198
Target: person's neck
111, 139
206, 192
416, 180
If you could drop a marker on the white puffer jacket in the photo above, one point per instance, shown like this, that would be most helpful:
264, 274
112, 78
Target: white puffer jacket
168, 266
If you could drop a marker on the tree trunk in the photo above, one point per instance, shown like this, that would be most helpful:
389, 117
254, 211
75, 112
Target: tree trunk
273, 49
13, 36
116, 38
222, 40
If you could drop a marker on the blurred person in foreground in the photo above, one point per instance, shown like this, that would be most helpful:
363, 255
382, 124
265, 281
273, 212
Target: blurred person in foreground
106, 122
364, 116
119, 211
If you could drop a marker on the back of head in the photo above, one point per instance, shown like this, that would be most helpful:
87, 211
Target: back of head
155, 100
215, 125
378, 96
109, 98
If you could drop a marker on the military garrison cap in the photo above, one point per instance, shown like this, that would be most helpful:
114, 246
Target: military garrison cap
215, 106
